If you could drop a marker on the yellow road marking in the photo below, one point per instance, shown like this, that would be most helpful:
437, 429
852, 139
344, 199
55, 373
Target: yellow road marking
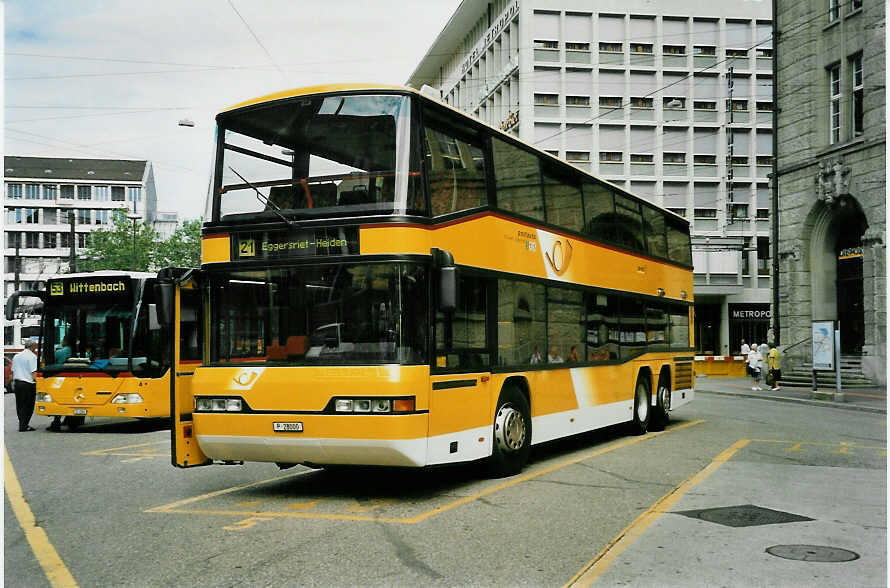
844, 450
175, 507
820, 443
117, 449
599, 564
306, 505
53, 566
796, 447
246, 523
371, 505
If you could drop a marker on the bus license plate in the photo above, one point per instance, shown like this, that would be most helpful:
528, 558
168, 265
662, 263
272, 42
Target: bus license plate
288, 427
80, 411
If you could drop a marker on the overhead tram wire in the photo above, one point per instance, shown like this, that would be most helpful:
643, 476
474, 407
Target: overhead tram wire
257, 39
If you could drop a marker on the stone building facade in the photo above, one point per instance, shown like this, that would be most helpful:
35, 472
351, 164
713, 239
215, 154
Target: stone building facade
830, 177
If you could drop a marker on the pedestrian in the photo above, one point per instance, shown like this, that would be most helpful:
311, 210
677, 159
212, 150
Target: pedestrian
536, 356
554, 356
745, 350
754, 360
24, 366
774, 361
573, 354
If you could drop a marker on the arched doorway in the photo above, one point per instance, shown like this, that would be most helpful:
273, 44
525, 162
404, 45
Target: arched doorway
836, 271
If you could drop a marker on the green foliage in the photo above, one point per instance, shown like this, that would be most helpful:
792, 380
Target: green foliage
113, 248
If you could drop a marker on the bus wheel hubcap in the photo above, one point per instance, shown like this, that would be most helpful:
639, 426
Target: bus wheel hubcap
642, 405
509, 429
664, 395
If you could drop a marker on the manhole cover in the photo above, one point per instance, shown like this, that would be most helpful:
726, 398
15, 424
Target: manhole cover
745, 515
812, 553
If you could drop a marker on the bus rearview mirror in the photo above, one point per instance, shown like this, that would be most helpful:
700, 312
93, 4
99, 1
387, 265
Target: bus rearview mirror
165, 295
447, 289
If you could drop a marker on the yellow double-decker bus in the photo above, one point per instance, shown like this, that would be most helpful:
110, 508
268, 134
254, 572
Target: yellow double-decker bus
103, 350
388, 281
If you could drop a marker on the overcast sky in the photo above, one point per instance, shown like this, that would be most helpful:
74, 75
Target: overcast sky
111, 79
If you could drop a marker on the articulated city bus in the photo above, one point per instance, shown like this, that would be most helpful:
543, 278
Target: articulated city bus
388, 281
103, 352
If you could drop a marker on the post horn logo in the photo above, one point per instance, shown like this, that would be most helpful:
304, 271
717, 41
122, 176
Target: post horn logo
245, 378
560, 256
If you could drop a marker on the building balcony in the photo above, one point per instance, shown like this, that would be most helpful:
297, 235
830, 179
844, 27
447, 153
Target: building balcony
578, 57
675, 61
547, 55
704, 115
608, 58
674, 169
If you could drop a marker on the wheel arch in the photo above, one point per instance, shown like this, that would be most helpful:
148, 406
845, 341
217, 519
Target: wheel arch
522, 384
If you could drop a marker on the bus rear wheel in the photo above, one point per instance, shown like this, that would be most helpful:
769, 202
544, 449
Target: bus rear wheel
642, 406
512, 432
661, 415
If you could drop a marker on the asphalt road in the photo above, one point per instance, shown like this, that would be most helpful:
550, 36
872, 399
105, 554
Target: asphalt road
605, 508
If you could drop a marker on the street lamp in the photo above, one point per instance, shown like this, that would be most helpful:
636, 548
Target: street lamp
134, 217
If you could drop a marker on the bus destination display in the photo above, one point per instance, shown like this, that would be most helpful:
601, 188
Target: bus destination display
87, 289
305, 243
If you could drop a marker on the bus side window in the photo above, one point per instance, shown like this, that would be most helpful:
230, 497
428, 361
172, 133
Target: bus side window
628, 223
562, 199
462, 335
599, 211
518, 180
522, 323
656, 239
679, 249
603, 333
679, 315
456, 171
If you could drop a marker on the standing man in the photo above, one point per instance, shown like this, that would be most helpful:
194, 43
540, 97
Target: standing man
774, 360
24, 365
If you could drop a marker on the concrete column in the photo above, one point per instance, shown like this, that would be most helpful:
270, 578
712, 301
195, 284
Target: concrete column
724, 327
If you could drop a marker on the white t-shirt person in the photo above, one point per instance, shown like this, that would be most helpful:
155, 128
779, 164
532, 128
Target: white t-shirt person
24, 364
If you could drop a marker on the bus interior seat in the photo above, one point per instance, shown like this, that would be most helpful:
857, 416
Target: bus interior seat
282, 198
296, 345
324, 194
276, 351
358, 195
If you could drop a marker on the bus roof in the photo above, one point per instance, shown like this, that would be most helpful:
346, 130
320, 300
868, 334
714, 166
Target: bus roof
105, 274
319, 89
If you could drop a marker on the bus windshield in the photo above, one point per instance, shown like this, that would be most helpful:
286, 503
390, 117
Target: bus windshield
329, 314
318, 156
96, 337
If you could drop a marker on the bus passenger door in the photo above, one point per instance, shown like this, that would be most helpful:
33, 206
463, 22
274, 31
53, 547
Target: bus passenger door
187, 328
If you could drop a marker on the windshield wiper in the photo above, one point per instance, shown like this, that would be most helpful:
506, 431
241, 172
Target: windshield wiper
265, 201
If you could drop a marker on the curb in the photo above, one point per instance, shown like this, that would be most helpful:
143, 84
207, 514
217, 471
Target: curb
822, 403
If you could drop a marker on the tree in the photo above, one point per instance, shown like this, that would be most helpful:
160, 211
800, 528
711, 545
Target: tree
113, 248
183, 248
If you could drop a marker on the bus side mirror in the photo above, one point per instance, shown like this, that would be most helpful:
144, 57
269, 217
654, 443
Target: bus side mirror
448, 279
11, 304
165, 296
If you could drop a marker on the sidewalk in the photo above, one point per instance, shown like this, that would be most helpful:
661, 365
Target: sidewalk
862, 399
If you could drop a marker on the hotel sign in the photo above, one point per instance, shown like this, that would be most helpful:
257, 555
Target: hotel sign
490, 35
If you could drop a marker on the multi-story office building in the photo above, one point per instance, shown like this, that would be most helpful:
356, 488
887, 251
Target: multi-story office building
39, 194
831, 127
649, 96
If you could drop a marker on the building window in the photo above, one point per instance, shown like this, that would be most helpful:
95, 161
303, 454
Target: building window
541, 44
705, 213
67, 192
32, 191
13, 216
611, 157
765, 106
737, 105
763, 213
50, 240
762, 256
834, 91
101, 193
577, 100
82, 239
674, 157
641, 158
611, 47
14, 191
31, 216
577, 155
32, 240
641, 48
610, 101
674, 102
765, 53
855, 5
641, 102
65, 240
546, 100
83, 193
704, 50
737, 53
117, 193
50, 191
765, 160
134, 194
101, 217
83, 216
739, 160
833, 10
858, 90
704, 105
738, 211
679, 211
674, 49
708, 159
577, 46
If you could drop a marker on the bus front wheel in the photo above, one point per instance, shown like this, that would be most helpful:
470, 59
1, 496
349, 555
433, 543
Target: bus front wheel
512, 432
642, 406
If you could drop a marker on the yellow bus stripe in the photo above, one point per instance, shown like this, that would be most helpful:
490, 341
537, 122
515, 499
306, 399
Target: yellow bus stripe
599, 564
53, 566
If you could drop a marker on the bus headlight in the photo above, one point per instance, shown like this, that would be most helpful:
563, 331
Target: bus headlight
373, 405
44, 397
206, 404
127, 399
